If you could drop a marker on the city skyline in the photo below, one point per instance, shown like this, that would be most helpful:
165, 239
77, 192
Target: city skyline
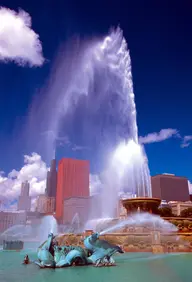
159, 52
68, 200
95, 140
95, 185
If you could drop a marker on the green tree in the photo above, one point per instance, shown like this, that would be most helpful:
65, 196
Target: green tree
165, 212
186, 212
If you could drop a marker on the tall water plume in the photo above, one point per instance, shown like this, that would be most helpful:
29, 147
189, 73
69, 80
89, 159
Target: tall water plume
91, 99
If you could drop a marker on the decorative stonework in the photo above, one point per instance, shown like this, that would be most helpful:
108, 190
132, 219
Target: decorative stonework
157, 249
134, 242
141, 205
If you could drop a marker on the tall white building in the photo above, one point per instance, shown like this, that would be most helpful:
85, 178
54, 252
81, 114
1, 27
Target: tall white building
24, 201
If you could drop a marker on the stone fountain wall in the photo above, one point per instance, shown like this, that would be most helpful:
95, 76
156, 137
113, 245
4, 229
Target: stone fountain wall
142, 238
138, 242
184, 225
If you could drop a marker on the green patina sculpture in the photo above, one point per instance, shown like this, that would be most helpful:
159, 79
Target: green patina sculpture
97, 252
101, 250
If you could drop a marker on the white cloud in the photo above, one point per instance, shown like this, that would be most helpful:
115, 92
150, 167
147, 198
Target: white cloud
18, 42
165, 134
160, 136
34, 170
13, 174
186, 141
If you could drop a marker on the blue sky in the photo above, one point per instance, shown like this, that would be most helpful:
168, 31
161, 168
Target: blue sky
159, 39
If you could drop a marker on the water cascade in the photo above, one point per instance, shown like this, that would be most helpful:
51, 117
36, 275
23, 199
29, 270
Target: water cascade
92, 97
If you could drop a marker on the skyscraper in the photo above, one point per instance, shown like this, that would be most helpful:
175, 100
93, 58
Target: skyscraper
24, 202
72, 182
47, 183
51, 185
25, 189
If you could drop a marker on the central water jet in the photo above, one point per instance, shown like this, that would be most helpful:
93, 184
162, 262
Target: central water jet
94, 100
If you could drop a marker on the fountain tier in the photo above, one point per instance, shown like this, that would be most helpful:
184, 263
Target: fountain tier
141, 204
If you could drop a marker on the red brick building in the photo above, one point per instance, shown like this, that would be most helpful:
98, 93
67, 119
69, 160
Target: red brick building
72, 182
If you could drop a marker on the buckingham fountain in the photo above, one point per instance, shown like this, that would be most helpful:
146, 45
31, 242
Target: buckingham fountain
126, 179
127, 174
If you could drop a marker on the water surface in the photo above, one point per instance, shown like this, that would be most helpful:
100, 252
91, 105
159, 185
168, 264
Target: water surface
133, 267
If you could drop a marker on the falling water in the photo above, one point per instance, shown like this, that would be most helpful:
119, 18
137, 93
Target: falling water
75, 225
98, 224
91, 96
48, 225
150, 221
18, 231
76, 221
128, 166
143, 219
131, 167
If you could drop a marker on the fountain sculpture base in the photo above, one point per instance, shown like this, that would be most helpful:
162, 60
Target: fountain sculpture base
94, 252
141, 204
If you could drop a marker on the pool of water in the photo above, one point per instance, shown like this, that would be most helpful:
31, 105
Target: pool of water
131, 267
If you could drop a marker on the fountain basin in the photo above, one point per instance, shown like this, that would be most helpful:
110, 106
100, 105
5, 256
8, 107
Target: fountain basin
137, 242
141, 204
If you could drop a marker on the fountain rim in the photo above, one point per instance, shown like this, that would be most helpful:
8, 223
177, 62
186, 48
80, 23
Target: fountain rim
141, 199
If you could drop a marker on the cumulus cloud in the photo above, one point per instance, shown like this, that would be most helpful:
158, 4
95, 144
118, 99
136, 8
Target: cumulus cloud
18, 42
160, 136
165, 134
34, 171
186, 141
